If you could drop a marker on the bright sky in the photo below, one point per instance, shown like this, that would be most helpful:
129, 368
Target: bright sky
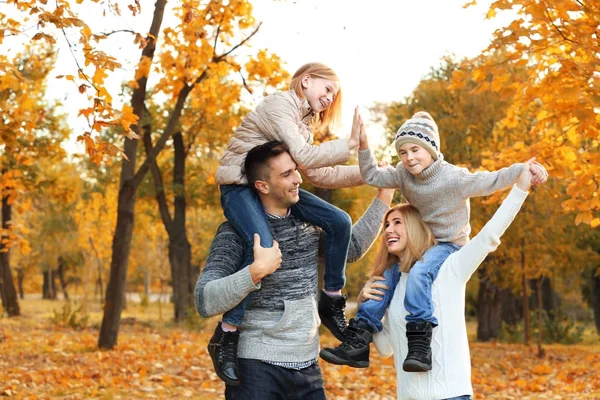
380, 49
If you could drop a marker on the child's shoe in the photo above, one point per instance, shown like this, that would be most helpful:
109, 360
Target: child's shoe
354, 350
222, 348
418, 358
332, 311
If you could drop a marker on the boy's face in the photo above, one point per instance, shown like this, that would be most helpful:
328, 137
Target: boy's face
415, 158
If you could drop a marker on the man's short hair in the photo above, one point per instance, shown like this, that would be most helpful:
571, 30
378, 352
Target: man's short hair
256, 166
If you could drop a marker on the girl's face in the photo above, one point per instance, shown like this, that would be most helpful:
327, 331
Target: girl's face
319, 92
415, 158
395, 233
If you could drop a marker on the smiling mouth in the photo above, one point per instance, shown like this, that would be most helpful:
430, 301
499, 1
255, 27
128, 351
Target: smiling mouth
393, 240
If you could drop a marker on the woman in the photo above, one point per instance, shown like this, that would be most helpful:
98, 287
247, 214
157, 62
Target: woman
450, 377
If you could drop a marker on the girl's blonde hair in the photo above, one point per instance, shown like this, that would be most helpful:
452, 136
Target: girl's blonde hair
419, 239
326, 119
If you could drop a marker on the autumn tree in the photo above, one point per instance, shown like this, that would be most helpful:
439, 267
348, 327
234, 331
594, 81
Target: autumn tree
31, 132
557, 42
208, 119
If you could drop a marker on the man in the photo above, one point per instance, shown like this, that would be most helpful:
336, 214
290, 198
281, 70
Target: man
278, 341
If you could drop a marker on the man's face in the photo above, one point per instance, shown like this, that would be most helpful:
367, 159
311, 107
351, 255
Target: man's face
284, 181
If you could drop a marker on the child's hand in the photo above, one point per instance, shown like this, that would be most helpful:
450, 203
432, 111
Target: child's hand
370, 290
357, 123
364, 141
539, 174
266, 259
524, 180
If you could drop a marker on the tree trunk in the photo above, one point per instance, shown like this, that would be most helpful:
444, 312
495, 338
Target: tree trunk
525, 296
49, 285
180, 251
129, 182
596, 299
540, 319
10, 302
61, 276
511, 311
20, 279
489, 309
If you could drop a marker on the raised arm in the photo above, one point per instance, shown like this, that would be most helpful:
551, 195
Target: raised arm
465, 261
484, 183
366, 229
282, 119
340, 176
381, 177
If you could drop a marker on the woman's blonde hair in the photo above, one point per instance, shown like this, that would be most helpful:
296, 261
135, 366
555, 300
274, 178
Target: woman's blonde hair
326, 119
419, 238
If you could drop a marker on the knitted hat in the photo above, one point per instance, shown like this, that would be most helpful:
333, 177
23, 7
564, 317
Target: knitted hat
422, 130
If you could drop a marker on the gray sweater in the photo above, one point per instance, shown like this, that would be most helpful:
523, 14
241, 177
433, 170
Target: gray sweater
281, 322
441, 192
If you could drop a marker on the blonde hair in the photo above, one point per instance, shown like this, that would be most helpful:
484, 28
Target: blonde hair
419, 238
326, 119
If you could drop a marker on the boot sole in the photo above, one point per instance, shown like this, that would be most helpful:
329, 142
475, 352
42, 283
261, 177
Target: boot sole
415, 366
213, 357
333, 359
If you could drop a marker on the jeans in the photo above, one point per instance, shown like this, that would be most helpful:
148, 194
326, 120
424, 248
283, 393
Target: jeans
417, 300
372, 311
245, 212
464, 397
264, 381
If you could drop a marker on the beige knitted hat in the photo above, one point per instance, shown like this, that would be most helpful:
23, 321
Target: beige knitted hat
422, 130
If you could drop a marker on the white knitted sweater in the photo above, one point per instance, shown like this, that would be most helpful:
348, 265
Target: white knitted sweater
451, 372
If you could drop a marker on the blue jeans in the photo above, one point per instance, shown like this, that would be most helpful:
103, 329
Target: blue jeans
245, 212
417, 299
261, 380
372, 311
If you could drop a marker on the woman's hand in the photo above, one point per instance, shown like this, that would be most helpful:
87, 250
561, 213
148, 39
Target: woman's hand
372, 290
524, 180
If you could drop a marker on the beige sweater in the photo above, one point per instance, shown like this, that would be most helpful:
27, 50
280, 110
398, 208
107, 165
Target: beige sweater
441, 192
285, 117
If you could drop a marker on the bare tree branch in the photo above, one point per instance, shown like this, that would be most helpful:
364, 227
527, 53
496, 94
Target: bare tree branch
239, 44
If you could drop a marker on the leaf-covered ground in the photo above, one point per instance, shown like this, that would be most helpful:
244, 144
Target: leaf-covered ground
39, 360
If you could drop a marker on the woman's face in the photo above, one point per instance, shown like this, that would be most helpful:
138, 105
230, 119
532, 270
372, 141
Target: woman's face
395, 233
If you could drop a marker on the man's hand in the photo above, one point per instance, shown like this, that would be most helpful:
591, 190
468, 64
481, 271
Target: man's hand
266, 260
372, 290
356, 129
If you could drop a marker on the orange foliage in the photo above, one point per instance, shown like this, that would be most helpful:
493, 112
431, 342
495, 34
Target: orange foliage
38, 361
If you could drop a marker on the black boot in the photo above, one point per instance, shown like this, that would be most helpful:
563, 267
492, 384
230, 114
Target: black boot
419, 347
332, 311
222, 348
354, 350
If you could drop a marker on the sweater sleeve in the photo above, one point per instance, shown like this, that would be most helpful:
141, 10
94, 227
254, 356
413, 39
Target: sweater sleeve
484, 183
383, 339
280, 113
340, 176
381, 177
222, 284
366, 229
465, 261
